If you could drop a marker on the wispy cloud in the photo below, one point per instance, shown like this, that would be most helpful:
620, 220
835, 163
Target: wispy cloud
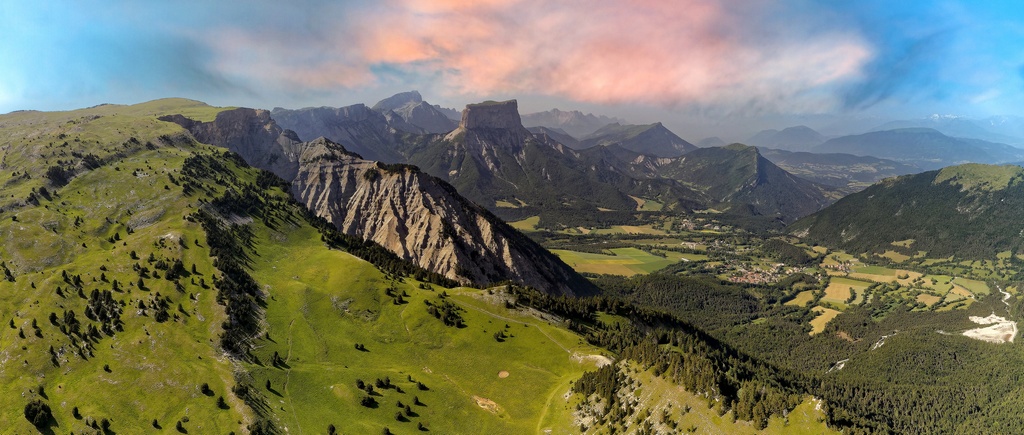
707, 57
692, 52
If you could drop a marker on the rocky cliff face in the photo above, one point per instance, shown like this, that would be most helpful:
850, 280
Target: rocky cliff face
424, 220
252, 134
492, 115
490, 127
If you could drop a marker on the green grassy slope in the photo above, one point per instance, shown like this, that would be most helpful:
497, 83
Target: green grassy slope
322, 306
147, 255
150, 360
142, 367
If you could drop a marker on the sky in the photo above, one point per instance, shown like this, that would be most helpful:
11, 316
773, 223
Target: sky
700, 66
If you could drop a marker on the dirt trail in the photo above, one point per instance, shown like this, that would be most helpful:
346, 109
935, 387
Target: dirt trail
287, 377
881, 341
838, 366
507, 319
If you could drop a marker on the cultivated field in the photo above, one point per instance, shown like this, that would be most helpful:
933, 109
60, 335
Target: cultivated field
624, 262
818, 323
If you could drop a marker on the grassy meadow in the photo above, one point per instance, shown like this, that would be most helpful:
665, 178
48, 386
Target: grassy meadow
622, 261
100, 229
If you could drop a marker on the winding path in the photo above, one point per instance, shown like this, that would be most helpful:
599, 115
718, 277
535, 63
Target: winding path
1006, 297
287, 377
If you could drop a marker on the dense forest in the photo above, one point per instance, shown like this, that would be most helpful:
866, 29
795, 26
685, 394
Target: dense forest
939, 216
919, 381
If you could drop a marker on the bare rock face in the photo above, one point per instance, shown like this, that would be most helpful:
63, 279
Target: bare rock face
488, 129
491, 114
252, 134
424, 220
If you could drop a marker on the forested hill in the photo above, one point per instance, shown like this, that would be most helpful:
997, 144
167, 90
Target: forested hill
970, 211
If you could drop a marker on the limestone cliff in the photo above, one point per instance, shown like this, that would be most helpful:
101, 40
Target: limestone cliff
424, 219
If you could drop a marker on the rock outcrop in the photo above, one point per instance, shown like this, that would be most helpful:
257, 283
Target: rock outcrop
251, 133
492, 115
424, 220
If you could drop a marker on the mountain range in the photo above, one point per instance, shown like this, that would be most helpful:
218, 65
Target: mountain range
493, 160
847, 172
955, 126
224, 271
572, 122
798, 138
653, 140
415, 216
923, 147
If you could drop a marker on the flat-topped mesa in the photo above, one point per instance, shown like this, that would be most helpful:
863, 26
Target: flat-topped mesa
492, 114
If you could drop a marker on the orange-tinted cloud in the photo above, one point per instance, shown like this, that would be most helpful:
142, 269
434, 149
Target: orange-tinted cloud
702, 53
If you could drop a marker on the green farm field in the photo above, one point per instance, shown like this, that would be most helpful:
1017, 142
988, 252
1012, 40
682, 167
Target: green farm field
625, 262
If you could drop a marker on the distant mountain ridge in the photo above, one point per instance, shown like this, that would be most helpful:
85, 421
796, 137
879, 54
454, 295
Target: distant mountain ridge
361, 129
847, 172
798, 138
573, 122
739, 177
713, 141
652, 139
924, 147
556, 134
408, 112
955, 126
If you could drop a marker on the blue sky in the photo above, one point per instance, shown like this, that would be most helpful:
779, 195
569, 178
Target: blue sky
691, 63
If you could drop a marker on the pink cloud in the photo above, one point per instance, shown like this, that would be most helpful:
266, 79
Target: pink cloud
687, 52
